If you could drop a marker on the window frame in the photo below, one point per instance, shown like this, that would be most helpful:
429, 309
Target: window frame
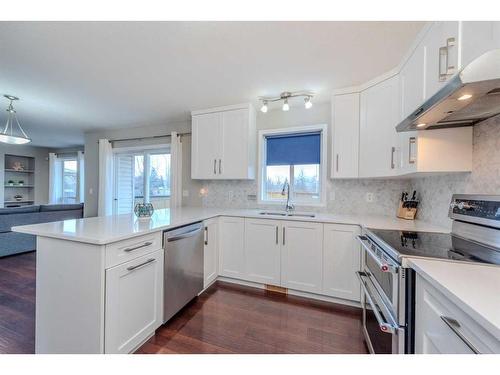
62, 197
261, 166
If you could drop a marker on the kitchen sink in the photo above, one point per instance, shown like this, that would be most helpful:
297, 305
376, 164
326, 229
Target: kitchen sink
283, 213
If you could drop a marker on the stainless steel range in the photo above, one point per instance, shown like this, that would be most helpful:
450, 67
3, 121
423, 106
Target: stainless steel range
389, 288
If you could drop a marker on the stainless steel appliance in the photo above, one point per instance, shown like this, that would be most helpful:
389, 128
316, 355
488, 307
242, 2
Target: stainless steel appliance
389, 288
471, 96
183, 278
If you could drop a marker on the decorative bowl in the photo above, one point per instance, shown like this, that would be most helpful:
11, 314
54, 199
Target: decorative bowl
144, 210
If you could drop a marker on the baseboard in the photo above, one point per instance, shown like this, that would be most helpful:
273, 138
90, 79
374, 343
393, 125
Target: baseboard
318, 297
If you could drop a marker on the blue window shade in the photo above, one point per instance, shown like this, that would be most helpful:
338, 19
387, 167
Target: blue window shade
293, 149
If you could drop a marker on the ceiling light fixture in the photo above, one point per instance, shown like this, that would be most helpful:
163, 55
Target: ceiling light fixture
263, 109
307, 95
8, 135
422, 125
465, 97
286, 106
307, 102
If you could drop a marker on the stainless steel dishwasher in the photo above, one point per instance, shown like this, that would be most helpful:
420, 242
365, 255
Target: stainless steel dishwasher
183, 278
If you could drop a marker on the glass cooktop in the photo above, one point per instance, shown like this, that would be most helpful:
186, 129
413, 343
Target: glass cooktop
436, 245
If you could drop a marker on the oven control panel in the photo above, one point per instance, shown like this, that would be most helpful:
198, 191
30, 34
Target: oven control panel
486, 208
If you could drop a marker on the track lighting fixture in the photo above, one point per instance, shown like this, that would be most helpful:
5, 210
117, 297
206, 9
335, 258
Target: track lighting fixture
285, 96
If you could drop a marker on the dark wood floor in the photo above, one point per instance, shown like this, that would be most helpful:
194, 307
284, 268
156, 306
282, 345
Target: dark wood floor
230, 318
227, 318
17, 303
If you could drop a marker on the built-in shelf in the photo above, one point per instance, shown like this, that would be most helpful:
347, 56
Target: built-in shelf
16, 171
19, 186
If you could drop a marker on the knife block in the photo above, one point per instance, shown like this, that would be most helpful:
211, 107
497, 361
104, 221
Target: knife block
405, 212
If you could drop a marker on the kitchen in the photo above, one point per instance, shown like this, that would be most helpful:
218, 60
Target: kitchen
382, 202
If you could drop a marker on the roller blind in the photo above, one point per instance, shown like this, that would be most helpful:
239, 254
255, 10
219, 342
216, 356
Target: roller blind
293, 149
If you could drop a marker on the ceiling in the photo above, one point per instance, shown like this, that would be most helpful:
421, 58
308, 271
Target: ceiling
74, 77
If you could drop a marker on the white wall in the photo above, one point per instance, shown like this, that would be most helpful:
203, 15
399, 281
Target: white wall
92, 159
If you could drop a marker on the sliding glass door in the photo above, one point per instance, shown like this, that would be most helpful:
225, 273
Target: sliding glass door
141, 177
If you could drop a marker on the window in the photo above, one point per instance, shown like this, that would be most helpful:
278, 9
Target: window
293, 157
69, 181
141, 176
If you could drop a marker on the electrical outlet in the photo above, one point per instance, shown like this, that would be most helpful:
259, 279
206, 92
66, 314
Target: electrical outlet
369, 197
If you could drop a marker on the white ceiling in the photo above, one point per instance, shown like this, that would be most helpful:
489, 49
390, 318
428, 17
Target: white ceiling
74, 77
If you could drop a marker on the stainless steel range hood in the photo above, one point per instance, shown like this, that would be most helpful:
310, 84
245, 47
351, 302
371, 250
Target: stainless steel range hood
471, 96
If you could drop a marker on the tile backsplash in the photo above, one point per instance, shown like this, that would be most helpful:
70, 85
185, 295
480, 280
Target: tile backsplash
349, 196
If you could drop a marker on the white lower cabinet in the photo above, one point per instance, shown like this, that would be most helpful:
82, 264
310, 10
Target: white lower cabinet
302, 256
262, 251
341, 259
442, 327
210, 252
232, 247
134, 302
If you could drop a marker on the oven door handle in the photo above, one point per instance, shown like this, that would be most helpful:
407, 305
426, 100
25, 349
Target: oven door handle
385, 326
384, 267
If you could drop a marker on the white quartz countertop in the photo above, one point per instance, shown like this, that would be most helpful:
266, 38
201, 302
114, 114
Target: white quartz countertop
107, 229
472, 287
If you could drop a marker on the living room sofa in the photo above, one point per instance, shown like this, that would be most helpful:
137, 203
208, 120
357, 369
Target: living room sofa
14, 243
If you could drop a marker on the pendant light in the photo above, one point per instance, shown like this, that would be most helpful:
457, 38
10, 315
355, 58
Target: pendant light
8, 134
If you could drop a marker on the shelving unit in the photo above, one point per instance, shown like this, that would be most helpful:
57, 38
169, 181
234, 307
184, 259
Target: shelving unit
27, 175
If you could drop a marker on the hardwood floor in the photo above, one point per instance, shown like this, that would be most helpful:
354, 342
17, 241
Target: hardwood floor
230, 318
226, 318
17, 303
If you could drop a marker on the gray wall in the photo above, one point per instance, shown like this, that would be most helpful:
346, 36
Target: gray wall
436, 191
92, 159
343, 196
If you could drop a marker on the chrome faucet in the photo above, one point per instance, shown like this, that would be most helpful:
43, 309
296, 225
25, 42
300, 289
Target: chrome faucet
286, 187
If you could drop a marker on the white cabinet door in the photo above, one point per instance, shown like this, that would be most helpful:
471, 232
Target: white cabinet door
205, 153
345, 114
232, 247
235, 145
302, 256
412, 79
478, 37
341, 260
378, 146
262, 251
442, 55
210, 252
134, 302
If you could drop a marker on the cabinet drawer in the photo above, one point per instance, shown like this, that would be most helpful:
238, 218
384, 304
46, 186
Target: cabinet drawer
123, 251
433, 333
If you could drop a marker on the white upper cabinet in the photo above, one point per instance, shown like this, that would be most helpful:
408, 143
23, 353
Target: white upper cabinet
378, 144
223, 143
442, 60
412, 77
345, 117
478, 37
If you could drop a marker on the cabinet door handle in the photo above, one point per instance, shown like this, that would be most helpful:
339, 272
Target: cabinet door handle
442, 52
450, 42
206, 235
132, 268
283, 235
454, 325
220, 166
337, 162
411, 143
215, 166
129, 249
393, 149
277, 235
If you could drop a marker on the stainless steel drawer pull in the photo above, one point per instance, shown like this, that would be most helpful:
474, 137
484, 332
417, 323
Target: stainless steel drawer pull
129, 249
384, 267
277, 235
337, 162
215, 166
131, 268
206, 235
385, 326
283, 235
454, 326
220, 166
393, 150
